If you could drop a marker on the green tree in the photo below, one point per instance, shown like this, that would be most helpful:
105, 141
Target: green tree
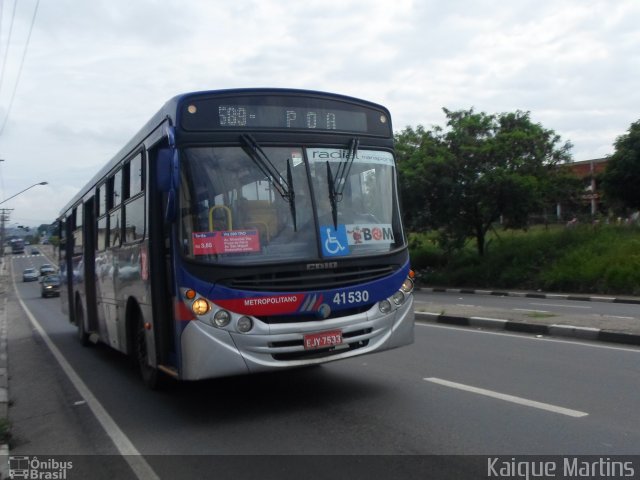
464, 178
622, 175
421, 155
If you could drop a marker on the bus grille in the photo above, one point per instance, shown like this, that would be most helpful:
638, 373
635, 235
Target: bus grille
325, 352
288, 281
311, 316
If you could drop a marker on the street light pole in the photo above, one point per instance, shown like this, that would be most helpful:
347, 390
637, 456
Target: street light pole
22, 191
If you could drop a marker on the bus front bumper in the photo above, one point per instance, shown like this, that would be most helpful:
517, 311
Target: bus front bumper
209, 352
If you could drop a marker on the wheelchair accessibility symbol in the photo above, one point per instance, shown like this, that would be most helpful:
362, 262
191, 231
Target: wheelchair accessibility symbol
334, 241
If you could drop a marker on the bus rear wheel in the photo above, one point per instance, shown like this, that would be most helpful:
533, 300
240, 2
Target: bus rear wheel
151, 377
83, 336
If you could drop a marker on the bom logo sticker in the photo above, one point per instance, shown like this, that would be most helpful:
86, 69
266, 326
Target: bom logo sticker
367, 234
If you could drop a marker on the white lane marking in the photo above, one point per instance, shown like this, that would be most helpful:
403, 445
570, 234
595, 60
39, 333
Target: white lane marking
529, 310
524, 336
126, 448
561, 306
509, 398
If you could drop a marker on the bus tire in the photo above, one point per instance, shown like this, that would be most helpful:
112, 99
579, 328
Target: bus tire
151, 376
83, 336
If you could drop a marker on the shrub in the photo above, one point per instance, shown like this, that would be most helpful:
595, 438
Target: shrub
584, 259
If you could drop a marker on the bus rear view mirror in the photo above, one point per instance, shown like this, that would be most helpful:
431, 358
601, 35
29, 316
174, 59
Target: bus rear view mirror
164, 169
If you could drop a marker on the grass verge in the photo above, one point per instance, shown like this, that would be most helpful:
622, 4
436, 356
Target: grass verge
604, 259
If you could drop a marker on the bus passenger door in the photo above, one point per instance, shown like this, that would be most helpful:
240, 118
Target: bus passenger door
161, 268
89, 268
66, 278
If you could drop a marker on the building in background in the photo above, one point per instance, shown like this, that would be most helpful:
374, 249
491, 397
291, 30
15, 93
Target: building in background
588, 171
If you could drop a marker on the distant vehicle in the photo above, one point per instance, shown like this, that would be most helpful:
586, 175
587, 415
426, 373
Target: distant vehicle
50, 286
29, 275
46, 269
34, 251
17, 246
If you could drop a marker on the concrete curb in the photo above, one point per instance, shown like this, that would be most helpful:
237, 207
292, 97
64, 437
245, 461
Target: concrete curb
562, 296
582, 333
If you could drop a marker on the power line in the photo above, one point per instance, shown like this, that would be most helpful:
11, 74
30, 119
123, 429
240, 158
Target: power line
6, 52
24, 55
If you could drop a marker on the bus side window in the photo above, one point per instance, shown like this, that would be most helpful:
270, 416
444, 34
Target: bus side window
102, 218
102, 234
133, 209
135, 176
63, 241
77, 230
102, 200
115, 213
117, 188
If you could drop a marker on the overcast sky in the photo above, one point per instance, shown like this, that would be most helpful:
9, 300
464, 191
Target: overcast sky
95, 71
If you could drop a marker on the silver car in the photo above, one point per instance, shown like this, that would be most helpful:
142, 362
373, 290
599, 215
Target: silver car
30, 275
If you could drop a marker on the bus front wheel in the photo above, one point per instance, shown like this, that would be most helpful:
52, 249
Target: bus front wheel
150, 375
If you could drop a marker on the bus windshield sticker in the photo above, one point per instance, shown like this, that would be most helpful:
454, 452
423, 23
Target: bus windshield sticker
321, 155
223, 242
366, 234
334, 241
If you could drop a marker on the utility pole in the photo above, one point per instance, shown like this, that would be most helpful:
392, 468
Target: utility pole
4, 217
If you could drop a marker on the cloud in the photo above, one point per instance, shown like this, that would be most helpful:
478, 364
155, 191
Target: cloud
97, 71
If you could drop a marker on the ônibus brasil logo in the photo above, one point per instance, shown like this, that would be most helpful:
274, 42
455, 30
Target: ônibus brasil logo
38, 469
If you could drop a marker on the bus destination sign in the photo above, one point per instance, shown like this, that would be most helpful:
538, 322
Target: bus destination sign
291, 117
283, 114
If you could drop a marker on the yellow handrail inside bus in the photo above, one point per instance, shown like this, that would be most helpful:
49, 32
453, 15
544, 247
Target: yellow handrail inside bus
229, 216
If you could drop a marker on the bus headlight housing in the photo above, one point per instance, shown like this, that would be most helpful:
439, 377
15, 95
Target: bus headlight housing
221, 318
200, 307
398, 298
407, 285
385, 306
245, 324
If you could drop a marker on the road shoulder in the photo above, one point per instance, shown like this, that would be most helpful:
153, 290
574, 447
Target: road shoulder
613, 330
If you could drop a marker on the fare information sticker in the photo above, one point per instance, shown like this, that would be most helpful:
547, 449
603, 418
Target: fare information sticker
225, 242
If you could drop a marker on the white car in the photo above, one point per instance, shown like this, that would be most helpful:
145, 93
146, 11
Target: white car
30, 275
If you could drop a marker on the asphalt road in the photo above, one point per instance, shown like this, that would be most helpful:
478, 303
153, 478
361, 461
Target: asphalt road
454, 392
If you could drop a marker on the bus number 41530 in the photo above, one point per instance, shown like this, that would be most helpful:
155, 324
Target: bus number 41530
357, 296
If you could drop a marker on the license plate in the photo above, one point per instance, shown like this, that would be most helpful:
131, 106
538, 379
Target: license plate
322, 339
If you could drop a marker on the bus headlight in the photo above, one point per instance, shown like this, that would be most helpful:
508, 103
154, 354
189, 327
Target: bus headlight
221, 318
245, 324
407, 285
398, 298
200, 307
385, 306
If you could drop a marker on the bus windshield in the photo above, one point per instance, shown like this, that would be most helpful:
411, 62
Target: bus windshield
241, 207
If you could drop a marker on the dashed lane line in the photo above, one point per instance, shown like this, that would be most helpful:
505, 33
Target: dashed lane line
508, 398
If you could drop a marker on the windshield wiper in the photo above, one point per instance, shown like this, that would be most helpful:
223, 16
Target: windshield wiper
262, 161
338, 183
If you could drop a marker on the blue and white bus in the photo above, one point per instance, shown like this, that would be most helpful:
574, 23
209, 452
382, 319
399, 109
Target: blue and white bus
242, 231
